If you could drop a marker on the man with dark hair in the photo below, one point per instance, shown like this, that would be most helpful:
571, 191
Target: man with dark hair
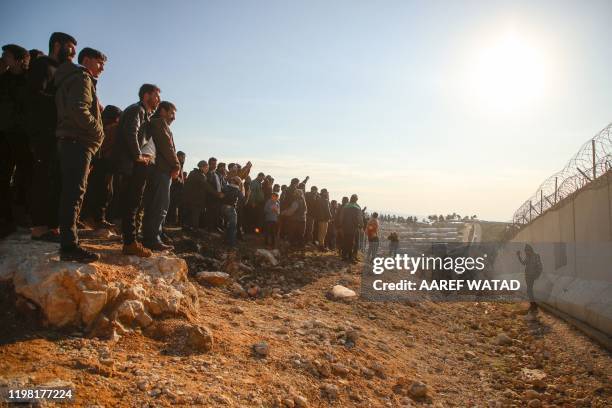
372, 228
80, 134
195, 195
256, 203
338, 224
213, 206
16, 160
132, 165
100, 183
352, 222
176, 194
34, 53
295, 217
232, 197
330, 239
311, 207
322, 216
167, 167
42, 122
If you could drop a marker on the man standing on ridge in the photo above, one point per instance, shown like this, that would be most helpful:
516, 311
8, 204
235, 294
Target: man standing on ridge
42, 123
80, 134
132, 165
352, 223
167, 168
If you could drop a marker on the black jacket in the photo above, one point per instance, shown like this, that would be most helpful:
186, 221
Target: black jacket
131, 136
196, 190
13, 103
323, 212
311, 203
165, 151
78, 111
232, 195
352, 217
41, 112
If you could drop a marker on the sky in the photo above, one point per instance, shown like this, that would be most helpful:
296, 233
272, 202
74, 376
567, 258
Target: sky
419, 107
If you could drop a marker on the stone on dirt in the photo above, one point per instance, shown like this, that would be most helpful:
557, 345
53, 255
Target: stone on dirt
266, 256
340, 292
213, 278
71, 294
261, 349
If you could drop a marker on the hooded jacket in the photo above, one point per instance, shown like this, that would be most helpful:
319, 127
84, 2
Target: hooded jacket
78, 111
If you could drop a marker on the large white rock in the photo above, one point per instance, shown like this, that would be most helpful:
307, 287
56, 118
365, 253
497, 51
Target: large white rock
340, 292
71, 294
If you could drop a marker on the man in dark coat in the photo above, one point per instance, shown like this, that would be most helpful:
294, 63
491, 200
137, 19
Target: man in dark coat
15, 157
80, 135
195, 195
132, 166
166, 168
352, 223
42, 122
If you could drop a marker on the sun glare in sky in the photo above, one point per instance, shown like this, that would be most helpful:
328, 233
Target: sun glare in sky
507, 74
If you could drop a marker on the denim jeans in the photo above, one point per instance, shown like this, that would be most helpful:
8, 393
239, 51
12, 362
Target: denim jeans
231, 217
156, 202
74, 165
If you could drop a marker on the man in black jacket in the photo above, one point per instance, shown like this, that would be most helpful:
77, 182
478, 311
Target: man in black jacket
15, 158
213, 205
167, 167
352, 223
42, 121
322, 216
195, 195
232, 197
132, 165
311, 205
80, 135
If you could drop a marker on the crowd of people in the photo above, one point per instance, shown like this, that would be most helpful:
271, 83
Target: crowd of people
67, 160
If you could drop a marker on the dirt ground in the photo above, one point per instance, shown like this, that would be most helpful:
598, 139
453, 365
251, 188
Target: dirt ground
317, 351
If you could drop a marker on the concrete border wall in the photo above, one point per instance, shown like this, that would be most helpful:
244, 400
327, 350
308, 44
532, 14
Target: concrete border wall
574, 240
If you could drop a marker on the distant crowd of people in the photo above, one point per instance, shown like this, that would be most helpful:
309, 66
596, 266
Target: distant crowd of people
67, 160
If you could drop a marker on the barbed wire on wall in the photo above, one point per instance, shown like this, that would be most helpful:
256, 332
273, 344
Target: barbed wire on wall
592, 161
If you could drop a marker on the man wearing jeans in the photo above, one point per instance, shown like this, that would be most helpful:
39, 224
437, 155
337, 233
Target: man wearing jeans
167, 167
232, 196
132, 165
80, 134
373, 241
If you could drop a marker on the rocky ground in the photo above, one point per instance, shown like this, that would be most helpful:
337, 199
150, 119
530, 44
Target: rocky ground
274, 337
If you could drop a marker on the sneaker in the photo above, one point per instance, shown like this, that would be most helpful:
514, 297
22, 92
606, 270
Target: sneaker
78, 254
136, 248
158, 246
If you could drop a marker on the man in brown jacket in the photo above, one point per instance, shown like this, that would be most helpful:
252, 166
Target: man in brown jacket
80, 134
167, 167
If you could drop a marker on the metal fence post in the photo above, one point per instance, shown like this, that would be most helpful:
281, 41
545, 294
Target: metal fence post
594, 168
